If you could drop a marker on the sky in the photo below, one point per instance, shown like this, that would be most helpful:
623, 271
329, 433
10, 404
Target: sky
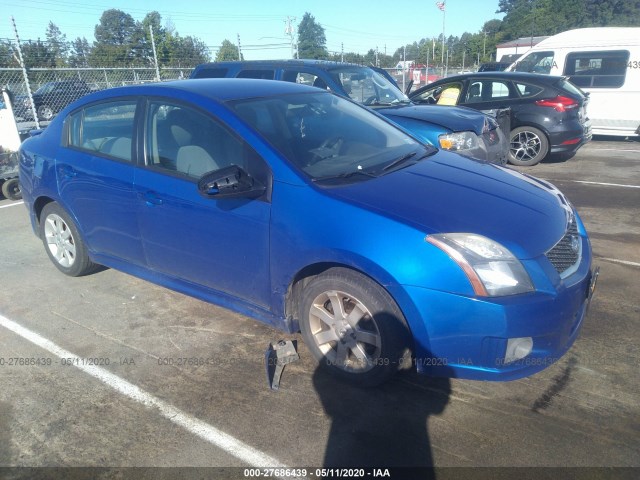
355, 25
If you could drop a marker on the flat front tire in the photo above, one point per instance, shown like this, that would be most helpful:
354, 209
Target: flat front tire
63, 243
353, 327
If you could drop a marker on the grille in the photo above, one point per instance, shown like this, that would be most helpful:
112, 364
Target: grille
563, 255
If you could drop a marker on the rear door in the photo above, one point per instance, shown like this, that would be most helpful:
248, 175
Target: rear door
95, 173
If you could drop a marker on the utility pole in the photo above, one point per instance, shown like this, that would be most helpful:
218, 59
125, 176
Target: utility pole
24, 74
239, 50
342, 52
155, 55
377, 61
288, 30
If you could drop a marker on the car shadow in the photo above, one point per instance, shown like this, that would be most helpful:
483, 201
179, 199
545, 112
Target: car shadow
382, 427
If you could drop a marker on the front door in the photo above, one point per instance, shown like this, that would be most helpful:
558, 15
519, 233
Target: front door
222, 244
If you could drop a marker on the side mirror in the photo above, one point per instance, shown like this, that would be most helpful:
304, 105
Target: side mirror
230, 182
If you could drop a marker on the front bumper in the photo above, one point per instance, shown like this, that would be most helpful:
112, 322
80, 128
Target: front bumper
466, 337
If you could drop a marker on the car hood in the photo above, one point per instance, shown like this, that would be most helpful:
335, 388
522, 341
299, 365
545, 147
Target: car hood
456, 119
448, 193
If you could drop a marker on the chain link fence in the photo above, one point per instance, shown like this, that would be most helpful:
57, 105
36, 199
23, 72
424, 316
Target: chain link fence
53, 89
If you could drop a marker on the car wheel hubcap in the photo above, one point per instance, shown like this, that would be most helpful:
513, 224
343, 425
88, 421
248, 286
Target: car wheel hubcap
345, 332
60, 240
525, 146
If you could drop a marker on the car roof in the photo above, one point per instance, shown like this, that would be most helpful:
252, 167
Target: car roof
521, 76
322, 64
218, 89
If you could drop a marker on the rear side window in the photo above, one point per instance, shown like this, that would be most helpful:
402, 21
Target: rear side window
605, 69
259, 74
488, 90
211, 73
106, 128
304, 78
536, 62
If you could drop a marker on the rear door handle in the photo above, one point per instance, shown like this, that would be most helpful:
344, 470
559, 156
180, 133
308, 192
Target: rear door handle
152, 198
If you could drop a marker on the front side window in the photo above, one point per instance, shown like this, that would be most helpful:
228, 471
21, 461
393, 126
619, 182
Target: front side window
597, 69
367, 86
187, 141
446, 94
329, 138
106, 128
536, 62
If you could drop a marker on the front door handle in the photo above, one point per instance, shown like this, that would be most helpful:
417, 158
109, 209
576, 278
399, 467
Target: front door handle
151, 199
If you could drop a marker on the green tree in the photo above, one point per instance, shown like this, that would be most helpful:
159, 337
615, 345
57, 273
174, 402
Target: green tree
227, 51
115, 37
37, 54
57, 43
549, 17
311, 39
6, 54
80, 53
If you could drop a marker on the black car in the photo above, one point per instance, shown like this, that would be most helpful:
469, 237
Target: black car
50, 98
548, 113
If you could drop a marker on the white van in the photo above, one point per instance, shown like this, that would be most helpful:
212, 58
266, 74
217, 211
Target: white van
602, 61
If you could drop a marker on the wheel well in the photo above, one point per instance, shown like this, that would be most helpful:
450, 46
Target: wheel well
39, 205
301, 279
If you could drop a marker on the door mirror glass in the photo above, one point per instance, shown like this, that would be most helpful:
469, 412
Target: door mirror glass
229, 182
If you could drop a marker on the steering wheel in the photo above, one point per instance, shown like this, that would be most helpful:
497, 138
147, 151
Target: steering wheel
327, 149
370, 100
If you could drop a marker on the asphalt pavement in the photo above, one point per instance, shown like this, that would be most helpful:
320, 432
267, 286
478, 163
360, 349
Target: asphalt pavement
111, 371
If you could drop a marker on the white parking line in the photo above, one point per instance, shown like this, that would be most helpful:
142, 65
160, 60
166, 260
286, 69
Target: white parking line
623, 262
207, 432
607, 184
12, 204
615, 150
597, 183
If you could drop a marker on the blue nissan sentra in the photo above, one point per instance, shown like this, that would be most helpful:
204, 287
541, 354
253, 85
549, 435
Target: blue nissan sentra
311, 213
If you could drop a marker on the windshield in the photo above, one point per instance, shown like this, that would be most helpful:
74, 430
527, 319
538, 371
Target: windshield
536, 62
46, 88
328, 137
367, 86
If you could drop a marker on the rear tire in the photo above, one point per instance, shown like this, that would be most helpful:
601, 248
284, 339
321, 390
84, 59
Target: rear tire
45, 112
11, 189
528, 146
63, 243
353, 327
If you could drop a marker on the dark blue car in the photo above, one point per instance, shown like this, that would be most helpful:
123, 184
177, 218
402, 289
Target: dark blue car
309, 212
460, 129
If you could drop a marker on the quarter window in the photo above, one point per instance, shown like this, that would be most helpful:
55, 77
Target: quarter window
106, 128
597, 69
525, 90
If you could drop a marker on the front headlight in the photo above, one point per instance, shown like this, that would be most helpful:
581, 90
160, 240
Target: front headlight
492, 269
458, 141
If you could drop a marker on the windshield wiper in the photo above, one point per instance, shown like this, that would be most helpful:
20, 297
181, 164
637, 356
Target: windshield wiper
404, 158
345, 175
